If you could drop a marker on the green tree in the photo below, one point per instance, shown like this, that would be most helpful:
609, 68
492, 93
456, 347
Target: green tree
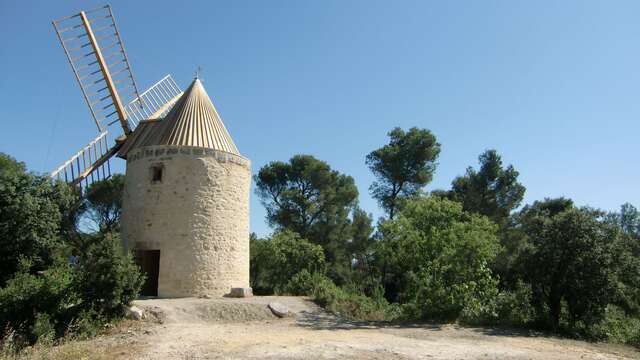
9, 164
361, 249
278, 259
104, 203
258, 253
629, 218
31, 213
106, 278
361, 243
434, 259
627, 266
43, 288
627, 259
515, 240
306, 196
32, 301
570, 260
493, 191
403, 166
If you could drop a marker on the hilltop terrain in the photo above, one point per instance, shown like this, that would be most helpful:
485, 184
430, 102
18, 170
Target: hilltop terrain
246, 329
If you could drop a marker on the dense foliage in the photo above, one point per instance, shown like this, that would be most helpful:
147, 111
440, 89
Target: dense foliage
468, 254
570, 260
434, 258
493, 190
403, 166
306, 196
274, 262
106, 278
103, 203
54, 279
31, 212
464, 254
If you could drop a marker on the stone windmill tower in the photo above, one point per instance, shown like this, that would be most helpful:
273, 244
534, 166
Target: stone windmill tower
186, 202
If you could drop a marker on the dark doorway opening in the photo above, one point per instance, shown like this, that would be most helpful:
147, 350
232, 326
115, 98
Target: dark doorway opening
149, 262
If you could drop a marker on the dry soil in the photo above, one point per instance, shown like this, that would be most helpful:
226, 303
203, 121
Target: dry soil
246, 329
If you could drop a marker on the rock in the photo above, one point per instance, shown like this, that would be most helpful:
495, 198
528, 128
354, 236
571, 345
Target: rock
205, 296
278, 309
241, 292
156, 313
135, 313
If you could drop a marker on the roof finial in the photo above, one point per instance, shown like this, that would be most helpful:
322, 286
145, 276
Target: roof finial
198, 71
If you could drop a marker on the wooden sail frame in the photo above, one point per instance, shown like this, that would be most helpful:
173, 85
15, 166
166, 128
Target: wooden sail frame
80, 168
103, 73
89, 164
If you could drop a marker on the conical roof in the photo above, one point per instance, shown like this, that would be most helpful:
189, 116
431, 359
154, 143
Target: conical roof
193, 121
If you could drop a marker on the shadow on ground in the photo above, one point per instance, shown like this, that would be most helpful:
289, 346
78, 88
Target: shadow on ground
326, 321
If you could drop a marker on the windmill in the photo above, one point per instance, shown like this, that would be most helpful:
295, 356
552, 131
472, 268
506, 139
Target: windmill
93, 46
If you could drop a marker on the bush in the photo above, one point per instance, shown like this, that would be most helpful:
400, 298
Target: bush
106, 278
42, 294
352, 304
617, 327
70, 298
347, 301
570, 264
31, 213
43, 328
513, 307
35, 305
303, 283
434, 260
277, 260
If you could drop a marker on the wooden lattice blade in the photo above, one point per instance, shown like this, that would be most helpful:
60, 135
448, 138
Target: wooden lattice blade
95, 51
89, 164
155, 102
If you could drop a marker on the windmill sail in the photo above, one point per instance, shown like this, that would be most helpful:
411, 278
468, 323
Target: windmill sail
95, 51
155, 102
91, 163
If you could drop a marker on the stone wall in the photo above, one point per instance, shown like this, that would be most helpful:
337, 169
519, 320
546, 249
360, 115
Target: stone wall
197, 216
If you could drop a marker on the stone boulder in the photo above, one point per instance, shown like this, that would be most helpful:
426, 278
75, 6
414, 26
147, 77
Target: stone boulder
278, 309
135, 313
241, 292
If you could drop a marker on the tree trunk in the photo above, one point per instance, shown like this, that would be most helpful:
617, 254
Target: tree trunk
555, 308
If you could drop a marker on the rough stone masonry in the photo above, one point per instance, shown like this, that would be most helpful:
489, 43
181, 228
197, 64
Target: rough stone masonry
187, 196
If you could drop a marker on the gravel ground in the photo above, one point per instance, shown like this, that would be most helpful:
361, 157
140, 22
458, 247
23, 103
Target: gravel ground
246, 329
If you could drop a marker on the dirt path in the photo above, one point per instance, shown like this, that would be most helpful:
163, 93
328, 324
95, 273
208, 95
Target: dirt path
245, 329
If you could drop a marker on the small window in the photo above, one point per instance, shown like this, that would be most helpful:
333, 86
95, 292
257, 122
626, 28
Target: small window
156, 173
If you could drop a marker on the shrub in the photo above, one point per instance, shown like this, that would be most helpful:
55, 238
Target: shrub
36, 305
347, 301
513, 307
616, 327
278, 259
303, 283
85, 324
43, 328
42, 294
352, 304
434, 260
68, 298
106, 278
31, 210
570, 264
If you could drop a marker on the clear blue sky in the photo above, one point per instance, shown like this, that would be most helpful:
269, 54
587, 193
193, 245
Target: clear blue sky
553, 86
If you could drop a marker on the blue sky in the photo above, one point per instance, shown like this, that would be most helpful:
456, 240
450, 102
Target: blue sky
552, 85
